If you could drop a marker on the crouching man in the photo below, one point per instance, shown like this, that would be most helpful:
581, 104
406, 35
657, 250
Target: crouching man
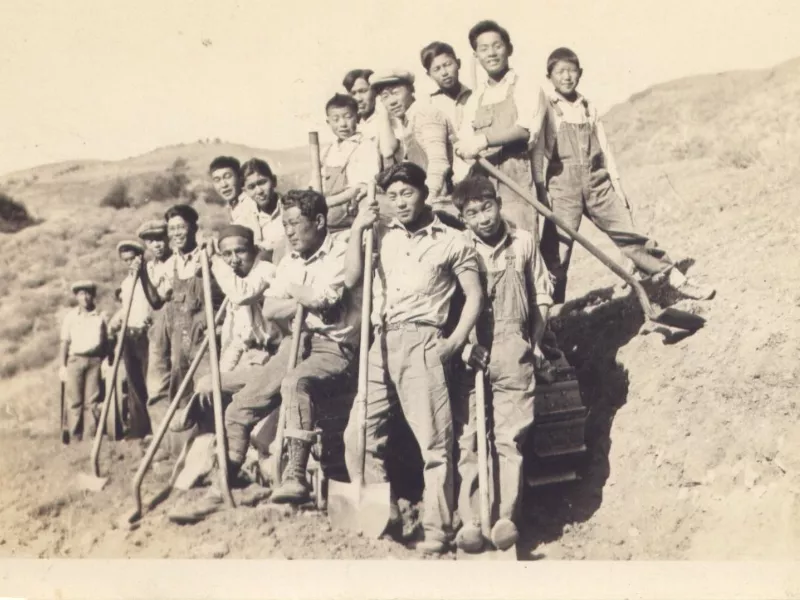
510, 328
420, 263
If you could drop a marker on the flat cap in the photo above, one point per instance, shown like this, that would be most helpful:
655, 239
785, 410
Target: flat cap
391, 77
152, 229
130, 245
236, 231
84, 284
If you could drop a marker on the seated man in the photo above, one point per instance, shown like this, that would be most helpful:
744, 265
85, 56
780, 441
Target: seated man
312, 275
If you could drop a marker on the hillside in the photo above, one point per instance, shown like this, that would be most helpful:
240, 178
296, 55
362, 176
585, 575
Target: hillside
695, 446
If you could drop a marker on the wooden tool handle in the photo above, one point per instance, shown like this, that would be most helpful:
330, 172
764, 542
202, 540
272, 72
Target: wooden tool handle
316, 162
483, 453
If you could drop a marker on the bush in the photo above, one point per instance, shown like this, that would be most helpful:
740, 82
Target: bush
13, 215
117, 197
200, 191
169, 185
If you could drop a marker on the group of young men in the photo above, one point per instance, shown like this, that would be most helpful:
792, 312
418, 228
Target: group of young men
444, 230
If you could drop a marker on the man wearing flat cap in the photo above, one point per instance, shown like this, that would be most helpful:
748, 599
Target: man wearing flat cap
84, 345
421, 129
154, 235
182, 298
135, 346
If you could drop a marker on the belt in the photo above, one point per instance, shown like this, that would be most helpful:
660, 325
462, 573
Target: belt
403, 326
93, 354
137, 330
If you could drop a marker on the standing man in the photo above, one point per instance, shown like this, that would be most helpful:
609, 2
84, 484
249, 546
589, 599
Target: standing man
373, 120
421, 130
502, 120
154, 235
442, 65
421, 262
135, 349
84, 345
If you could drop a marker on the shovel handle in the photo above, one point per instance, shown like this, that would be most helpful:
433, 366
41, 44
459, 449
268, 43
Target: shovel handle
111, 385
483, 453
294, 351
216, 381
363, 356
316, 161
593, 250
173, 407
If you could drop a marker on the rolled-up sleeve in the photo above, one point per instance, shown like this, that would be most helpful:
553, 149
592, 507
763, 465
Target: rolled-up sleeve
538, 275
531, 105
463, 257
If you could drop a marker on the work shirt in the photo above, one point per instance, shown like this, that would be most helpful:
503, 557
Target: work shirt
244, 324
528, 97
453, 110
417, 272
160, 274
358, 155
425, 126
139, 317
267, 228
369, 127
185, 266
578, 112
336, 314
86, 331
527, 259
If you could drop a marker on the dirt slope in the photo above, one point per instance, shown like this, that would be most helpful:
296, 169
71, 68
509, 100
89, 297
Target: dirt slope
694, 446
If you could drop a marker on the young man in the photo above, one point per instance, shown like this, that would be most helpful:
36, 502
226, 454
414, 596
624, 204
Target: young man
420, 264
502, 119
84, 345
224, 172
510, 328
347, 164
260, 184
420, 128
373, 120
182, 298
135, 351
154, 235
580, 177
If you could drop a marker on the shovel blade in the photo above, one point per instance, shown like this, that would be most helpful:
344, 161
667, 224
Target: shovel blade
90, 482
360, 509
679, 319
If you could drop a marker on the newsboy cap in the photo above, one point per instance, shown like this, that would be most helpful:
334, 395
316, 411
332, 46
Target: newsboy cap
130, 245
84, 284
391, 77
153, 229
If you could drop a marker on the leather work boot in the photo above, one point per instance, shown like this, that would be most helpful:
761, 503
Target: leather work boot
194, 512
687, 288
294, 487
504, 534
469, 538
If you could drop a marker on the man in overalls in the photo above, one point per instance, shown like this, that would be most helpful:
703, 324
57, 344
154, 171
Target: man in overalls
154, 235
347, 164
581, 177
510, 328
502, 120
185, 317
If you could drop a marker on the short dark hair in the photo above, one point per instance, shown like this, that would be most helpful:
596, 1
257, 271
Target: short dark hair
352, 76
342, 101
407, 172
184, 211
434, 49
224, 162
485, 27
474, 187
310, 202
256, 165
560, 54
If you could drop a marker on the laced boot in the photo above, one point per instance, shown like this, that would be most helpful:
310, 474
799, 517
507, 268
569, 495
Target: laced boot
294, 487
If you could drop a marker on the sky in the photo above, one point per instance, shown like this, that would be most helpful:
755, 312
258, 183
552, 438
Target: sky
97, 79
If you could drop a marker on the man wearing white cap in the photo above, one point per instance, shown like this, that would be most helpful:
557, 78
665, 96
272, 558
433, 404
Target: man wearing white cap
421, 129
135, 346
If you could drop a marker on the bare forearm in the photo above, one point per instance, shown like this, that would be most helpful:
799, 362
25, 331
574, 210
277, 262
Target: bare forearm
510, 135
150, 290
63, 354
278, 309
354, 261
539, 323
469, 315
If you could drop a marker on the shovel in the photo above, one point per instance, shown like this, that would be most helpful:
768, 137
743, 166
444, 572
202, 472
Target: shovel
64, 426
356, 506
670, 317
294, 351
94, 482
162, 428
216, 383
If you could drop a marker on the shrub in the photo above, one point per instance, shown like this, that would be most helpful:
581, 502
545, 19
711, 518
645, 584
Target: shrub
169, 185
13, 215
117, 197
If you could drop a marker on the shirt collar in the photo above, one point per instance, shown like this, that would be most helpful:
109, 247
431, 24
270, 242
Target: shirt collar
555, 98
89, 313
435, 225
324, 249
462, 91
188, 257
353, 139
508, 236
509, 78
